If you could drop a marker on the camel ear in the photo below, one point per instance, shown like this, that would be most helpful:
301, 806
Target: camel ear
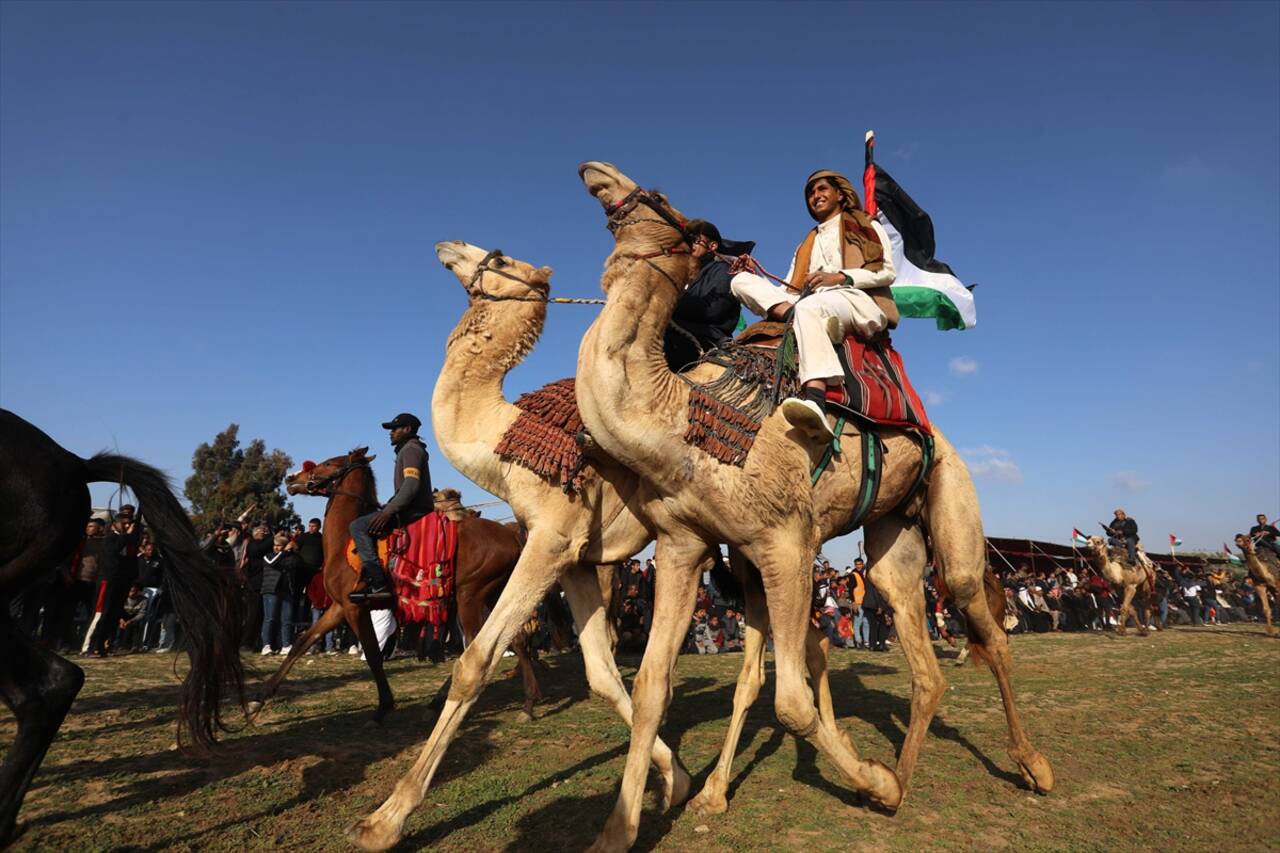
545, 273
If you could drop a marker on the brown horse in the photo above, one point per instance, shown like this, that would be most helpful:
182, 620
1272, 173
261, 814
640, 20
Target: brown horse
487, 552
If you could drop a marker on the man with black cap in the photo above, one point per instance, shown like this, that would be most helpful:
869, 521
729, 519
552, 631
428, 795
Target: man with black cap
707, 312
411, 501
845, 267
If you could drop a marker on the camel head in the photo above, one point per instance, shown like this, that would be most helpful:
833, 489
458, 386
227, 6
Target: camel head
449, 501
313, 479
493, 275
1244, 543
1098, 545
644, 220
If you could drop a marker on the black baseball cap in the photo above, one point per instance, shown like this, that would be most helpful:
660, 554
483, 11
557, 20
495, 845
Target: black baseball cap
401, 420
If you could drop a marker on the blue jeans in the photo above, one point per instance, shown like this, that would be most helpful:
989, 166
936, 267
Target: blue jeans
330, 641
367, 548
274, 606
861, 627
1164, 611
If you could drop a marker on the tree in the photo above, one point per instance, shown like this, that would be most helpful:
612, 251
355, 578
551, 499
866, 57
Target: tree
228, 480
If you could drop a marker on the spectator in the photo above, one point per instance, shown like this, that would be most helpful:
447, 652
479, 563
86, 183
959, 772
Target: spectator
252, 555
276, 582
129, 624
703, 642
318, 598
857, 592
151, 578
733, 641
876, 610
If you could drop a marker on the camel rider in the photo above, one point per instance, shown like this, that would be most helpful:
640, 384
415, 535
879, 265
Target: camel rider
846, 265
707, 310
412, 500
1123, 530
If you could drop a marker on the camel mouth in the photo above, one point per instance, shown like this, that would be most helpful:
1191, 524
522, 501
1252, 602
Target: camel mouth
601, 179
451, 252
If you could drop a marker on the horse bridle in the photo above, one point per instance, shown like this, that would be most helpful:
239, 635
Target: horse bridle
475, 287
325, 487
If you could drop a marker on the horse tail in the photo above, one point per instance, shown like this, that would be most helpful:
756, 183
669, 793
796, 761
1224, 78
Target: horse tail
204, 598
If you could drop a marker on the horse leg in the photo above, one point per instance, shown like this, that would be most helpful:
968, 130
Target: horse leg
585, 595
328, 620
39, 687
544, 557
361, 622
960, 552
712, 799
674, 596
896, 552
532, 694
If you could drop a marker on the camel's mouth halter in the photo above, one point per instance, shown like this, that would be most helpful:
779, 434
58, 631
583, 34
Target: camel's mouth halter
493, 263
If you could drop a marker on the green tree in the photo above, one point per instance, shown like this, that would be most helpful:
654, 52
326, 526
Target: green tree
228, 480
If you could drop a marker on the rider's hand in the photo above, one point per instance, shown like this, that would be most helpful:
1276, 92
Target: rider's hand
824, 279
380, 524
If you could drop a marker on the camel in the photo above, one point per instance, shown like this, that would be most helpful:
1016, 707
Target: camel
569, 535
1124, 580
1264, 574
636, 411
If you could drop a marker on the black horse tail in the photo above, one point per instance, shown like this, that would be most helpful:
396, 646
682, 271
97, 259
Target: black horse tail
204, 598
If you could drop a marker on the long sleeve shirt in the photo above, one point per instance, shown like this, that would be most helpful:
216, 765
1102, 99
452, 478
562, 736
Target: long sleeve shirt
413, 498
828, 256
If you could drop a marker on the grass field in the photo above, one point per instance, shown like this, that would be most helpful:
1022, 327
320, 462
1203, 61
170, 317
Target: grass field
1170, 742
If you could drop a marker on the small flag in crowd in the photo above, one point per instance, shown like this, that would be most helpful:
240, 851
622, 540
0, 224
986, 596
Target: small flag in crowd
1235, 561
923, 286
1078, 538
1174, 541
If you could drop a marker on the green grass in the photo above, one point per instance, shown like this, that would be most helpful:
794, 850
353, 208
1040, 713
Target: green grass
1170, 742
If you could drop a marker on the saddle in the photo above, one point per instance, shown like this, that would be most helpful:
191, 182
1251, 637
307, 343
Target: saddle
422, 559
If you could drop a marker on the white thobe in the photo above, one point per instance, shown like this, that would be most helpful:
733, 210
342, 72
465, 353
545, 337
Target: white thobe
854, 310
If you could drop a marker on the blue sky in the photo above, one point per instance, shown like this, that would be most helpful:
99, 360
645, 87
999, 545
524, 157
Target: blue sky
226, 212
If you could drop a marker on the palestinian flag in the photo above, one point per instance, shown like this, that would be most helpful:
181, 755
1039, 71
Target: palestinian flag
1174, 541
1078, 538
1235, 561
924, 286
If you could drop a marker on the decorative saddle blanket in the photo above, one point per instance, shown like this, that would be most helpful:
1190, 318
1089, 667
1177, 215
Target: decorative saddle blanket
760, 371
544, 437
423, 561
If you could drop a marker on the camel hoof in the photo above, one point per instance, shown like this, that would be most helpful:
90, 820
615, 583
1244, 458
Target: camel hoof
252, 709
1037, 772
525, 717
885, 789
369, 834
709, 801
674, 790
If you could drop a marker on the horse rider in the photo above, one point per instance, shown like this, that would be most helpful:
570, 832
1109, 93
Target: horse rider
707, 312
412, 500
845, 267
1124, 530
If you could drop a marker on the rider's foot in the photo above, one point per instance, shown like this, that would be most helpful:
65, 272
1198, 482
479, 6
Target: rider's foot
373, 593
808, 414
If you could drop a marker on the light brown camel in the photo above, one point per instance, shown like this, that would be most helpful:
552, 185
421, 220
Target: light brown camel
569, 535
1124, 580
1264, 574
636, 410
503, 320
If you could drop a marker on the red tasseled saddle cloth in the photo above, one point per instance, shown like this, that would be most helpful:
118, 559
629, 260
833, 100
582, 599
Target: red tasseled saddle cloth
423, 559
876, 386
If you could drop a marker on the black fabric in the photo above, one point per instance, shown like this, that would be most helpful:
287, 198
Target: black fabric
257, 550
151, 571
1124, 529
707, 310
403, 419
278, 571
311, 550
909, 220
1264, 533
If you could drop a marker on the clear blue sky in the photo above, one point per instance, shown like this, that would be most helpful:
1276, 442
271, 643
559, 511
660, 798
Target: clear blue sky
225, 212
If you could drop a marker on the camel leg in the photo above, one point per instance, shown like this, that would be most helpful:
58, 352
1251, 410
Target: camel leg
590, 614
712, 798
960, 552
1126, 609
1261, 591
674, 596
896, 552
362, 623
329, 620
544, 557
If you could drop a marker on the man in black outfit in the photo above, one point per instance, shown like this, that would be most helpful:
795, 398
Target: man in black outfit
1265, 534
412, 500
1124, 530
707, 309
876, 609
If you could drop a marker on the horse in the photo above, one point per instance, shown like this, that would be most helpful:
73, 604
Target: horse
487, 553
44, 502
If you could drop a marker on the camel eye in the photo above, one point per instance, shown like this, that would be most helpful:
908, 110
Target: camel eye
499, 262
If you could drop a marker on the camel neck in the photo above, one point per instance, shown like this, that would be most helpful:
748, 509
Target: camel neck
468, 410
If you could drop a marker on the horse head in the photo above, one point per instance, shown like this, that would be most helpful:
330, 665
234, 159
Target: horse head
315, 478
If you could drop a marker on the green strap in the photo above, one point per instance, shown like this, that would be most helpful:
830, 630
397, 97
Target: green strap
870, 476
832, 449
926, 462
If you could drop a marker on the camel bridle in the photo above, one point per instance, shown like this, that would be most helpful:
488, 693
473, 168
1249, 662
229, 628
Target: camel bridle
619, 215
475, 286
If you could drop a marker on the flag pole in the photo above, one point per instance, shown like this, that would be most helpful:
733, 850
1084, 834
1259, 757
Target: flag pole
869, 174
